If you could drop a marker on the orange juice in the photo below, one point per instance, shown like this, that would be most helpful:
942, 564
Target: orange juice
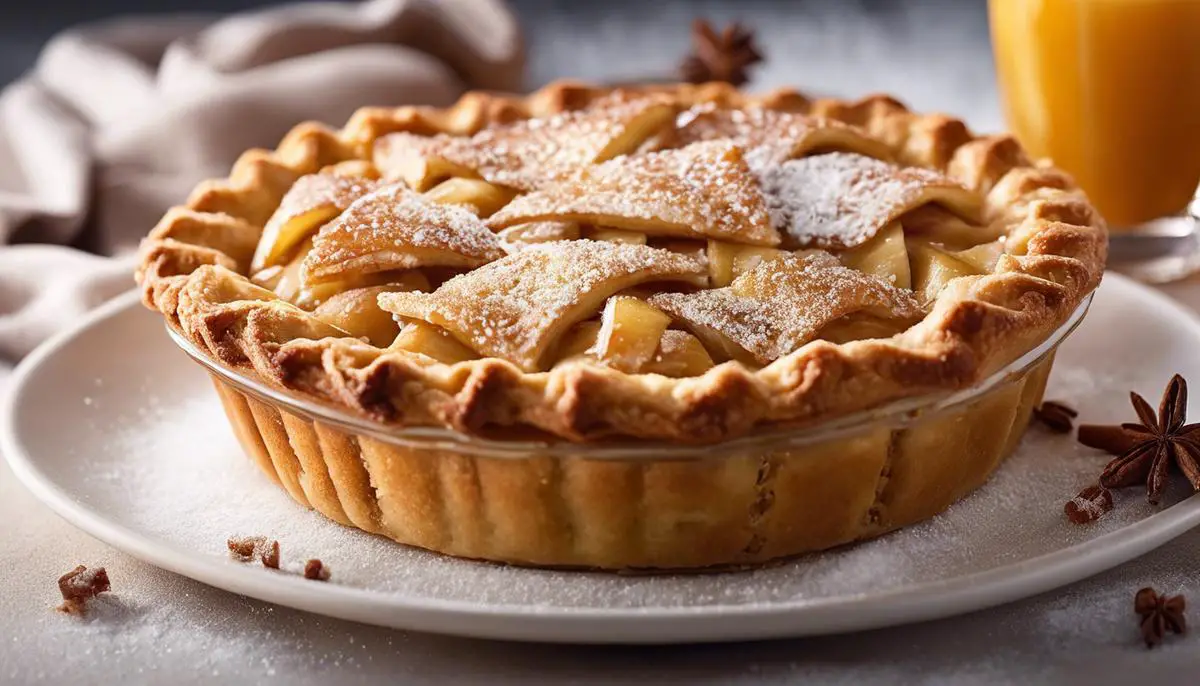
1110, 89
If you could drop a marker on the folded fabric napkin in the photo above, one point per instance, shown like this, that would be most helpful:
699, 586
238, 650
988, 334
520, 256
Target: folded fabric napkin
118, 121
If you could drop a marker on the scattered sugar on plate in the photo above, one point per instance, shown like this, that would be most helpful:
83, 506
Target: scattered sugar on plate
178, 474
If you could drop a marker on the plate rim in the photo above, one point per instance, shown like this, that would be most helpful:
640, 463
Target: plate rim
920, 601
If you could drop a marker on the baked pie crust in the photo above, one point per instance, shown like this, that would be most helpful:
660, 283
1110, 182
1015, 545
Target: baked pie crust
703, 190
666, 271
770, 137
526, 300
393, 229
529, 152
781, 304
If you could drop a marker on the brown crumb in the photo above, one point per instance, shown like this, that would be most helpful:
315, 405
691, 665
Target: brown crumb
1091, 504
316, 570
80, 585
246, 548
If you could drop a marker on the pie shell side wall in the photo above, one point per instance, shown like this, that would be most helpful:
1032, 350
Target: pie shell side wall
762, 503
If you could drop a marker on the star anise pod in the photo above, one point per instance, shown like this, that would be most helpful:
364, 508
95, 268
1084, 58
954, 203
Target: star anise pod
1161, 441
723, 56
1158, 614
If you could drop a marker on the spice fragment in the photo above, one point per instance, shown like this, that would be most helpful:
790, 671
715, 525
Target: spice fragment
1091, 504
80, 585
316, 570
1056, 416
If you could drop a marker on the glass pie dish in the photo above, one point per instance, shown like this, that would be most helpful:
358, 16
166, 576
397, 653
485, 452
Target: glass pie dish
665, 327
638, 505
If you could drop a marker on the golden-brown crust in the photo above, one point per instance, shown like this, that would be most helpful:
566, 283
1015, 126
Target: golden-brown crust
193, 267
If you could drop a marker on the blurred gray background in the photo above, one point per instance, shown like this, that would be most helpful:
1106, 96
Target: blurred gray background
933, 53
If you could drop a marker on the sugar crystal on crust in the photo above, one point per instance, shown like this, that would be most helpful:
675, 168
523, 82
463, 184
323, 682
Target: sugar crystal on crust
79, 586
321, 190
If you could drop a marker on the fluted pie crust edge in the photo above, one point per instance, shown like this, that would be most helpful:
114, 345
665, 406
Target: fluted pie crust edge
194, 261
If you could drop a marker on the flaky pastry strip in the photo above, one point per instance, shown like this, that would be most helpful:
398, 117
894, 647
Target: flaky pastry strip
702, 190
517, 307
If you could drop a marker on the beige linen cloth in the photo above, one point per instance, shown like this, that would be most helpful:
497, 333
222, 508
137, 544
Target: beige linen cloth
118, 121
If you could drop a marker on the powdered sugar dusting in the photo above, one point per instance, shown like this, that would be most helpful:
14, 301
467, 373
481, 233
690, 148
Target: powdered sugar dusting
516, 307
769, 137
528, 153
702, 190
523, 235
395, 228
783, 303
841, 200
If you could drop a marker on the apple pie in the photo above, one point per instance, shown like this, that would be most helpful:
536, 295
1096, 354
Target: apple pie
616, 328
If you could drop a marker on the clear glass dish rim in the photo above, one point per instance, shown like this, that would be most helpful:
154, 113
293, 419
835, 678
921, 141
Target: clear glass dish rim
896, 414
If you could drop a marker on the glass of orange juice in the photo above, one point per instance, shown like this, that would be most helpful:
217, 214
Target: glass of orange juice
1110, 90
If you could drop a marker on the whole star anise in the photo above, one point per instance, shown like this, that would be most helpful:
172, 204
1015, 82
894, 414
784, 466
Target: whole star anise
723, 56
1159, 614
1160, 441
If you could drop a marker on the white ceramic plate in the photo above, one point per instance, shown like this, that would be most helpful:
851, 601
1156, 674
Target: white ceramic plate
112, 427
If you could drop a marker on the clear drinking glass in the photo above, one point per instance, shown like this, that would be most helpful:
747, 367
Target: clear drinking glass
1110, 90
